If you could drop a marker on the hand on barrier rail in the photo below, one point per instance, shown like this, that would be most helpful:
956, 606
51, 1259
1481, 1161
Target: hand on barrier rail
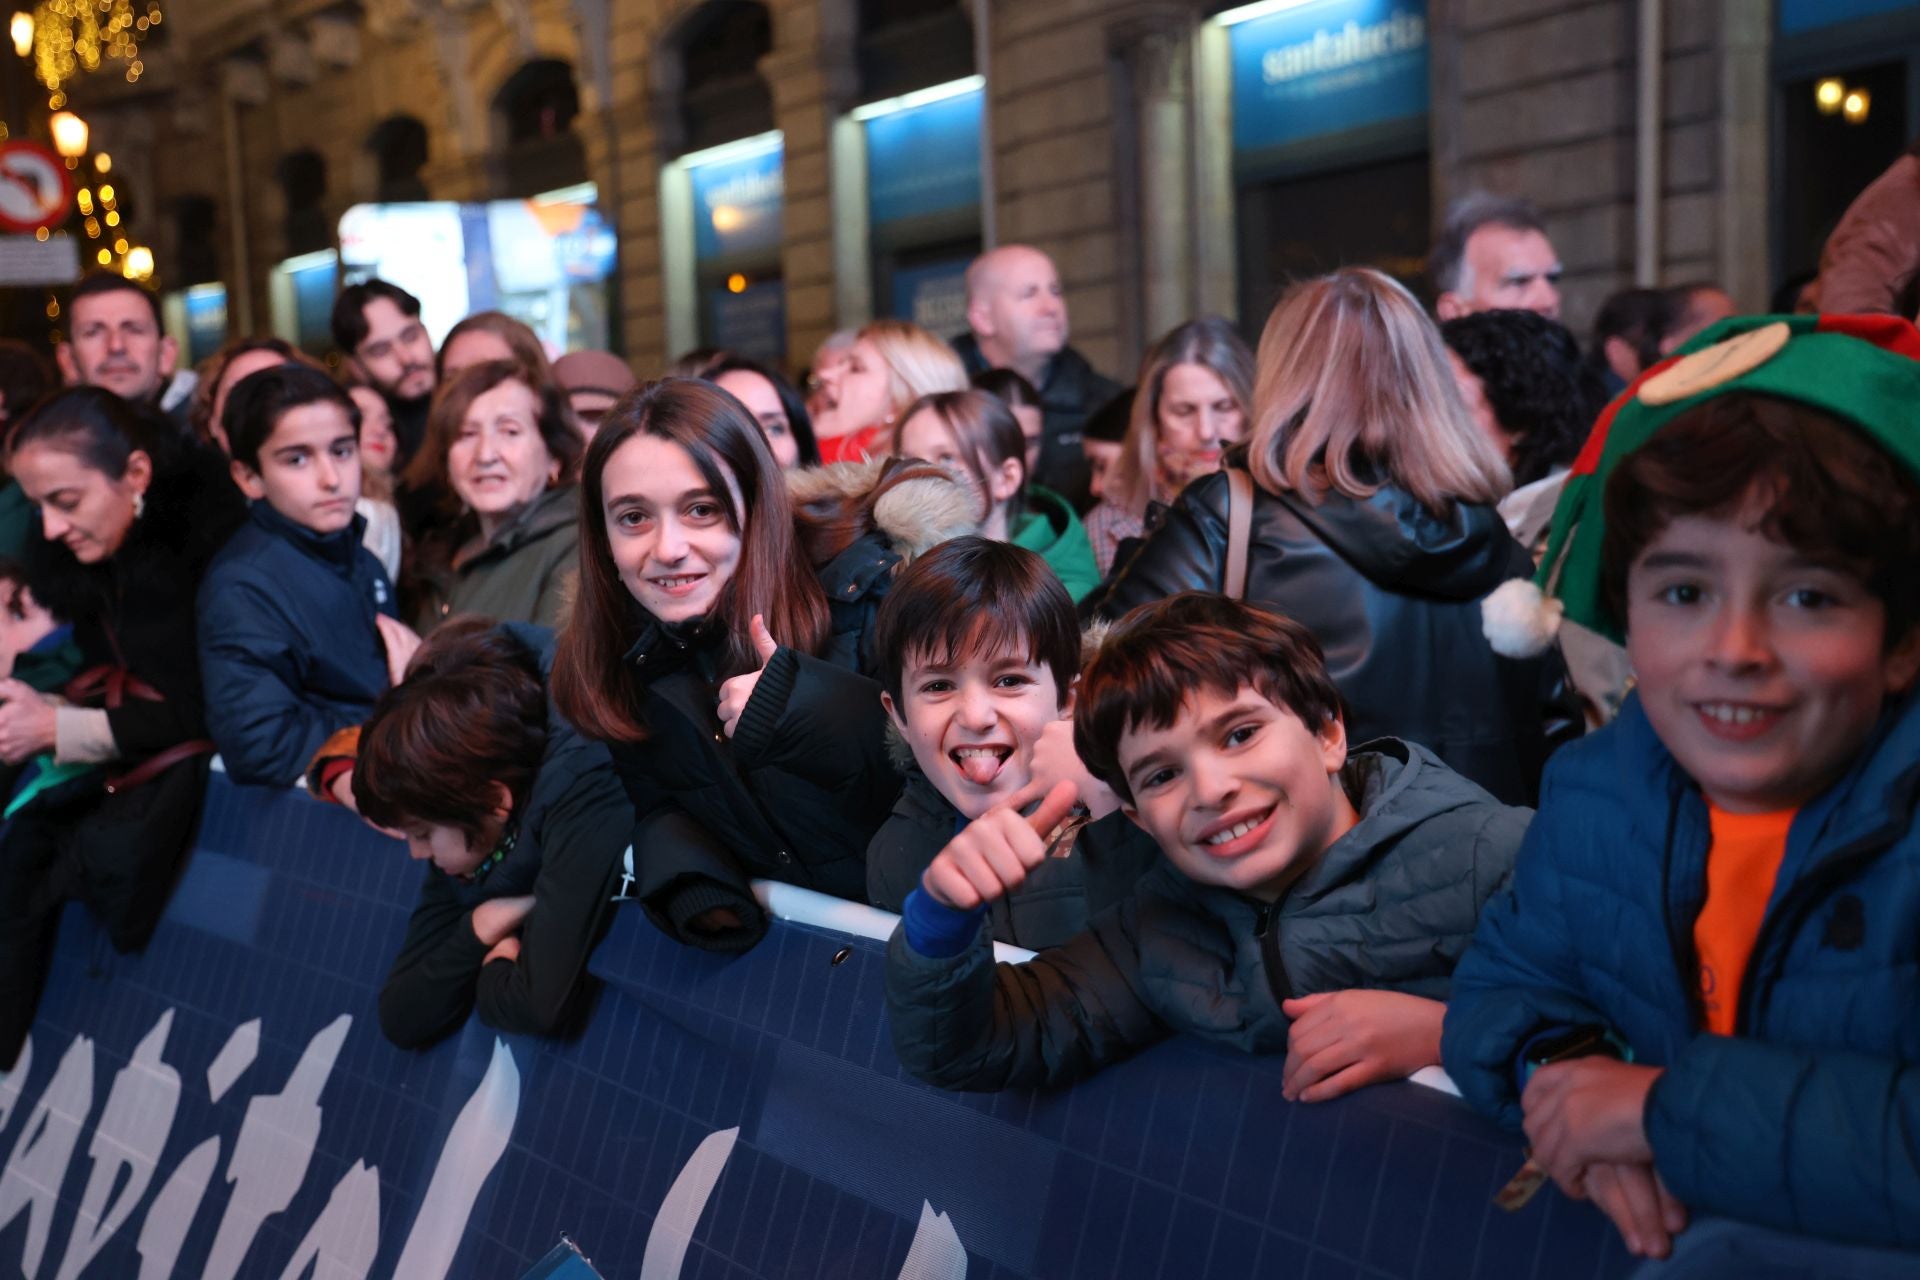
1343, 1040
1638, 1203
27, 721
736, 693
497, 918
992, 855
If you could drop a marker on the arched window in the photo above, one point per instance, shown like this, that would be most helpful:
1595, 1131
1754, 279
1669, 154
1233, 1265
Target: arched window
533, 125
303, 187
398, 145
722, 94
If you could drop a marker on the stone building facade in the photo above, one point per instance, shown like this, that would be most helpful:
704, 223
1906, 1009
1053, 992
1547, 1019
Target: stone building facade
1107, 137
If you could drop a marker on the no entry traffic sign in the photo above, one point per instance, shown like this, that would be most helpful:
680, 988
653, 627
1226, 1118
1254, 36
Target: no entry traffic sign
35, 188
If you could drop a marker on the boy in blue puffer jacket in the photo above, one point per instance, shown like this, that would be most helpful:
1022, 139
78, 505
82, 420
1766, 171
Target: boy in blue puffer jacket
1702, 992
295, 617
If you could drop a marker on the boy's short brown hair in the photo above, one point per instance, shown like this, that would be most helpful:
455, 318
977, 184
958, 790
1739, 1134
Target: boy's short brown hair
973, 596
1831, 494
471, 711
1162, 653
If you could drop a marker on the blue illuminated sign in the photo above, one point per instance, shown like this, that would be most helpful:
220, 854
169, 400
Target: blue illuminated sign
1807, 15
313, 291
736, 204
206, 306
1327, 67
925, 160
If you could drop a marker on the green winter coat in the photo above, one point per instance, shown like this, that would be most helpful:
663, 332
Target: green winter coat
524, 573
1049, 527
1390, 905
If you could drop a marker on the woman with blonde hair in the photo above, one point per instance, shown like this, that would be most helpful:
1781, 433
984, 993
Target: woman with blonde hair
1373, 524
1194, 400
891, 364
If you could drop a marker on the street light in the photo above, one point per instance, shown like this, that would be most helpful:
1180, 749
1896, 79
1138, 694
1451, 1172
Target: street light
139, 263
21, 29
69, 136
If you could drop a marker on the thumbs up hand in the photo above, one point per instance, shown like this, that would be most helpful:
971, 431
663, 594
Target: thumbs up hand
991, 857
736, 693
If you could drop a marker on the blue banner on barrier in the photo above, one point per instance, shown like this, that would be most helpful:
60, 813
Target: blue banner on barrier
223, 1106
1327, 67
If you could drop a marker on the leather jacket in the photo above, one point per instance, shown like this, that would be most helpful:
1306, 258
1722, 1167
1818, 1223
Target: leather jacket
1392, 593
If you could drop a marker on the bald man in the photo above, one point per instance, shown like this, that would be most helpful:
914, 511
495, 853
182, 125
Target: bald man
1018, 316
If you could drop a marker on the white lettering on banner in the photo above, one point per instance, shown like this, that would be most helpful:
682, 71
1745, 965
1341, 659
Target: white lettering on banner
38, 1164
271, 1155
12, 1082
686, 1200
478, 1140
937, 1253
130, 1135
1401, 32
173, 1210
346, 1235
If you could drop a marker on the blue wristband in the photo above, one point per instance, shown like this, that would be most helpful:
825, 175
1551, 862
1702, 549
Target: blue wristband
936, 930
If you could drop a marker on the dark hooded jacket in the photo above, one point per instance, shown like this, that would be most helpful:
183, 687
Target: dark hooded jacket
1390, 905
794, 795
1392, 593
1070, 392
1057, 898
288, 644
568, 852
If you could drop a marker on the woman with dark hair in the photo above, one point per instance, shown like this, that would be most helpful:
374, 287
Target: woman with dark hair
502, 442
523, 824
26, 377
692, 653
1023, 401
129, 518
222, 371
1528, 388
774, 404
974, 434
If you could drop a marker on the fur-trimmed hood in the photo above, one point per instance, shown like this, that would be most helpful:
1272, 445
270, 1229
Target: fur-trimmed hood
916, 515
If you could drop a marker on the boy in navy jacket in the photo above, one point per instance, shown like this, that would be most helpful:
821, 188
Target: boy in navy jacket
1702, 992
296, 618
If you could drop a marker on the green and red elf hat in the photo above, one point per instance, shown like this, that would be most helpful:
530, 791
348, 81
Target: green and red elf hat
1862, 369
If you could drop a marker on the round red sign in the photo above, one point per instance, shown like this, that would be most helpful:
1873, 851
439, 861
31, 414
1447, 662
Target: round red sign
35, 188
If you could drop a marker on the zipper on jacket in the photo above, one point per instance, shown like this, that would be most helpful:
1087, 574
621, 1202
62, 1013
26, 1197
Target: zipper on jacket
1269, 937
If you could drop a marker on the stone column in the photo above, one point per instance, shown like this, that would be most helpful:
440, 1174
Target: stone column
1155, 50
812, 77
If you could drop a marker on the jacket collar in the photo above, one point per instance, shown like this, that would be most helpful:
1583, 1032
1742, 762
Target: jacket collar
337, 550
1875, 797
663, 647
551, 511
1062, 387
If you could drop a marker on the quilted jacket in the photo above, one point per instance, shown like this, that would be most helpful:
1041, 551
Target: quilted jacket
1390, 905
1809, 1118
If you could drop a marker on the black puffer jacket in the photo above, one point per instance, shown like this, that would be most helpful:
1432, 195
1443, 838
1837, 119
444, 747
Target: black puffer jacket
572, 833
1393, 595
794, 795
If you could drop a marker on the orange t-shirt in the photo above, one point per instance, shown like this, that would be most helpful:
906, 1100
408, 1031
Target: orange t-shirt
1741, 867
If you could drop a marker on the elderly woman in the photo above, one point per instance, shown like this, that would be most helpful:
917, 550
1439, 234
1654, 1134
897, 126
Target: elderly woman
129, 517
501, 441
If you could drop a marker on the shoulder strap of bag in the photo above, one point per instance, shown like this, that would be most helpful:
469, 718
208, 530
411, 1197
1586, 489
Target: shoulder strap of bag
1239, 530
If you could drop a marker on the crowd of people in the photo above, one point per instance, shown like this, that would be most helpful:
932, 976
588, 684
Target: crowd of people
1232, 693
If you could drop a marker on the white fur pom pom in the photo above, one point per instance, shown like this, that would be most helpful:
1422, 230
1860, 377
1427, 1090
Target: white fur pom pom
1519, 620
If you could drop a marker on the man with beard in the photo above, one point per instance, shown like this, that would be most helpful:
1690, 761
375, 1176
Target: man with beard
118, 341
378, 326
